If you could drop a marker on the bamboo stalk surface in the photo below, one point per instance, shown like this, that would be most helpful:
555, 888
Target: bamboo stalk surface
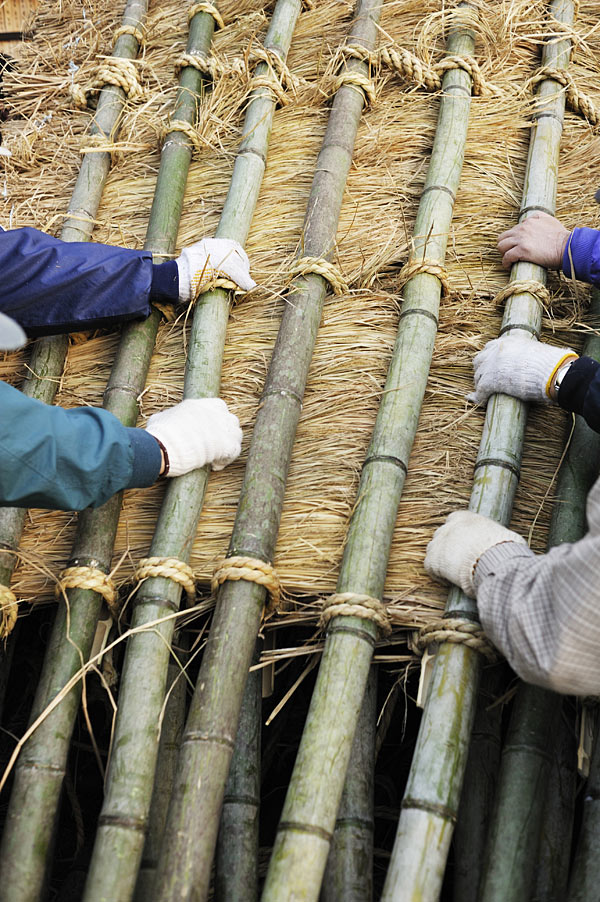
430, 803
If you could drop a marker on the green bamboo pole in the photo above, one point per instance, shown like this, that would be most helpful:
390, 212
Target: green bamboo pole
236, 875
190, 838
529, 751
129, 781
312, 800
349, 871
433, 790
41, 766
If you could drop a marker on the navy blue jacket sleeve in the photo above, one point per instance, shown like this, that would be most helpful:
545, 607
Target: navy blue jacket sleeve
579, 391
583, 251
68, 459
50, 286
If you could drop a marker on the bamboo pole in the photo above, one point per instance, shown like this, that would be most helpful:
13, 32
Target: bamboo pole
312, 800
41, 767
208, 742
349, 871
433, 791
583, 883
129, 780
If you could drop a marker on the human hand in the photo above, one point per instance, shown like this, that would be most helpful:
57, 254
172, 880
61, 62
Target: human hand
517, 366
197, 432
538, 239
457, 545
205, 261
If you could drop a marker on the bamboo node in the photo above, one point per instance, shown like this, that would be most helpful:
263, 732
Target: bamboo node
89, 578
350, 604
576, 100
320, 267
432, 267
464, 632
205, 7
167, 568
133, 30
522, 286
116, 71
253, 570
8, 611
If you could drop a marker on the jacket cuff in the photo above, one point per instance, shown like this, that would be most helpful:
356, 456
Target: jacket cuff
574, 387
579, 249
492, 559
147, 459
165, 283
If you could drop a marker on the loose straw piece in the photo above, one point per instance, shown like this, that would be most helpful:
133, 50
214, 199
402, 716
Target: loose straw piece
168, 568
522, 286
253, 570
460, 632
205, 7
89, 578
350, 604
8, 611
320, 267
431, 267
133, 30
576, 100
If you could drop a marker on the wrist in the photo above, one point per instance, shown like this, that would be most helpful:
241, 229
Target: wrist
558, 374
165, 283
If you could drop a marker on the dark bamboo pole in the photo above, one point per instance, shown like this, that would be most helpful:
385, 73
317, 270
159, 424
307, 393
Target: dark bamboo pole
583, 883
430, 804
129, 781
41, 767
349, 871
190, 838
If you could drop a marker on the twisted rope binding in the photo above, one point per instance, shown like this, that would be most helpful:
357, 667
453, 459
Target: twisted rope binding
357, 80
209, 65
89, 578
186, 128
8, 611
253, 570
350, 604
270, 81
168, 568
432, 267
133, 30
469, 65
459, 632
320, 267
260, 54
576, 100
522, 286
205, 7
116, 71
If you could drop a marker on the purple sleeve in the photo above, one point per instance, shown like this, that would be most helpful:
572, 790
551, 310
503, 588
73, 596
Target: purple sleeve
583, 251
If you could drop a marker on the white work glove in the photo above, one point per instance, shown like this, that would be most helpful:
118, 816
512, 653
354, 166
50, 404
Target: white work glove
521, 367
458, 544
204, 262
197, 432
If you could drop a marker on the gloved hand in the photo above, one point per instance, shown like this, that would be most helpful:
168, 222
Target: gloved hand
521, 367
458, 544
197, 432
205, 261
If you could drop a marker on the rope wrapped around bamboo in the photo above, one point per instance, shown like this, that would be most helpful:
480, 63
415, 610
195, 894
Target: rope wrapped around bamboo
458, 631
577, 101
133, 30
522, 286
277, 81
357, 80
320, 267
205, 7
431, 267
116, 71
8, 611
89, 578
253, 570
350, 604
167, 568
186, 128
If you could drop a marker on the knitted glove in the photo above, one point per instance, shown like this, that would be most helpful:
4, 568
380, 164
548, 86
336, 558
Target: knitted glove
458, 544
195, 433
204, 262
517, 366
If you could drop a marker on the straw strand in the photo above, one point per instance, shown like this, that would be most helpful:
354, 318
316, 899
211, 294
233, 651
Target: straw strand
8, 611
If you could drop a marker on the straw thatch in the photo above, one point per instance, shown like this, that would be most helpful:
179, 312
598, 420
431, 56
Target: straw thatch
46, 132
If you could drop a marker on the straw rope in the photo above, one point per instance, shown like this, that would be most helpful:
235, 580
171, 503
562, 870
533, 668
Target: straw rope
350, 604
277, 80
520, 286
133, 30
432, 267
205, 7
8, 611
167, 568
210, 65
116, 71
186, 128
89, 578
253, 570
357, 80
463, 632
320, 267
576, 100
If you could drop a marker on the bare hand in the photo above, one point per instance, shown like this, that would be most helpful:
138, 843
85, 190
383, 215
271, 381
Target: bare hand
539, 239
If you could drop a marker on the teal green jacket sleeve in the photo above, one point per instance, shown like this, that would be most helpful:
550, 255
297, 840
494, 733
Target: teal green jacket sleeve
68, 459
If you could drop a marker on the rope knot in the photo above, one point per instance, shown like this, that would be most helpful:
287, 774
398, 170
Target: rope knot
351, 604
458, 631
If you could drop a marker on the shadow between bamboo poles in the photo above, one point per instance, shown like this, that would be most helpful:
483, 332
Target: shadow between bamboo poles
41, 767
190, 837
129, 781
49, 354
531, 745
583, 883
431, 799
236, 875
349, 870
315, 788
